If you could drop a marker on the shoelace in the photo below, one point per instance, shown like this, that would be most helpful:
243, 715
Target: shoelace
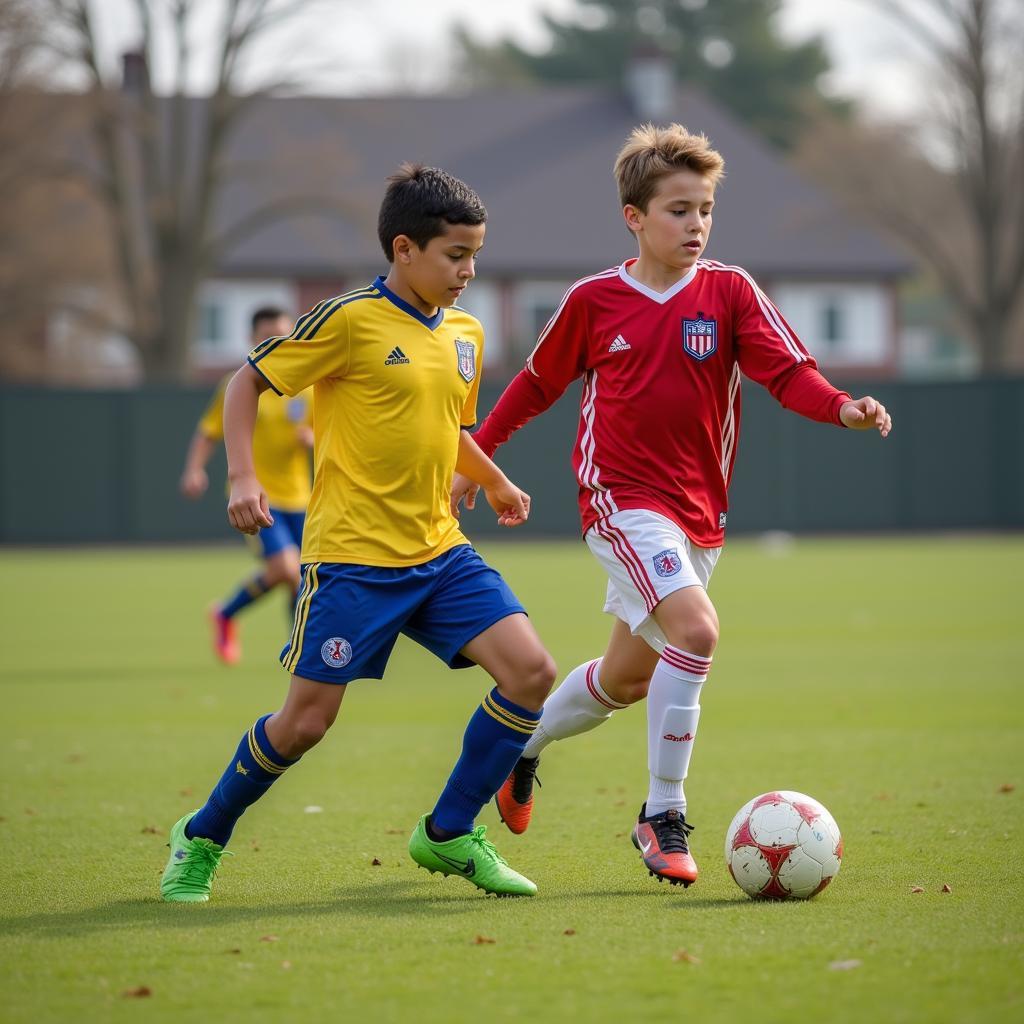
201, 865
523, 778
486, 846
672, 834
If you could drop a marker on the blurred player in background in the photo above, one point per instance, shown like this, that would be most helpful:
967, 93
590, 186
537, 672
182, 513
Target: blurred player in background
660, 342
281, 443
396, 368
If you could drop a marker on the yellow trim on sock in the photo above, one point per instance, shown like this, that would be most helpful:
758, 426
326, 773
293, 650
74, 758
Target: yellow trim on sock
506, 718
260, 758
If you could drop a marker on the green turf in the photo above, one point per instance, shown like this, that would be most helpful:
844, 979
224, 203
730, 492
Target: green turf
881, 676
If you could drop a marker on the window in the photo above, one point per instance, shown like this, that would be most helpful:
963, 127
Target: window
535, 304
833, 321
211, 324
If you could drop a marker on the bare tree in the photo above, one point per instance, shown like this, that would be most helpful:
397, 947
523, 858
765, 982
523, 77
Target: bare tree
159, 164
47, 244
952, 184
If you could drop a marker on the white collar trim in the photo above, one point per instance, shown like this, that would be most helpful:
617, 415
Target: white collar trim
660, 297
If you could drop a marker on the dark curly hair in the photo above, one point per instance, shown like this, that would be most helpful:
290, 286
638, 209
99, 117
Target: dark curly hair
420, 201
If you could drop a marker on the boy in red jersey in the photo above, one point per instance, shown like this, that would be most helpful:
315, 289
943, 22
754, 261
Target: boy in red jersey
660, 342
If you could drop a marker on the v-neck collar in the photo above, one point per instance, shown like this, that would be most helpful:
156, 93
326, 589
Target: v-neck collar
660, 297
430, 322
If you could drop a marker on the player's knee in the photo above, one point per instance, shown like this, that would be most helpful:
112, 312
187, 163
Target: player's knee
703, 636
534, 680
631, 689
308, 729
698, 635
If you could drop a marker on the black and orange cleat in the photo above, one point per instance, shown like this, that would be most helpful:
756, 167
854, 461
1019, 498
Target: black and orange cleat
662, 842
515, 798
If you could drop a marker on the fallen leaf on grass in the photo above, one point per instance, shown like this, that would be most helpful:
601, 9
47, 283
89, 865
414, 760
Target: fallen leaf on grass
843, 965
187, 791
313, 809
375, 862
916, 888
232, 951
683, 956
268, 938
286, 965
946, 887
569, 931
150, 830
483, 940
395, 831
1007, 787
142, 992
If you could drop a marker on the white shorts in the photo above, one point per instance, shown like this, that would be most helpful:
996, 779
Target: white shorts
647, 557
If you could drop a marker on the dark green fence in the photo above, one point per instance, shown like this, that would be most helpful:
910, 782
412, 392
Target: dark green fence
104, 466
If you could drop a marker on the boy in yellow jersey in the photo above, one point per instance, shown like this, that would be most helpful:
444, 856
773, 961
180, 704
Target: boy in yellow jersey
395, 369
281, 443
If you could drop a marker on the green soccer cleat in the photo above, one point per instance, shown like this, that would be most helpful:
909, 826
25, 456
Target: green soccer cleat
191, 866
471, 857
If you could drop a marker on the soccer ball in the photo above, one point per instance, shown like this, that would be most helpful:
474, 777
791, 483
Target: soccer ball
783, 845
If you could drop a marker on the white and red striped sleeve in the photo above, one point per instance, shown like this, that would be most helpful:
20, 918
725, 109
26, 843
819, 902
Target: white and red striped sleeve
558, 358
769, 352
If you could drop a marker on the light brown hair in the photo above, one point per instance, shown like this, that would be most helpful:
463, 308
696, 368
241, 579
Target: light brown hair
651, 154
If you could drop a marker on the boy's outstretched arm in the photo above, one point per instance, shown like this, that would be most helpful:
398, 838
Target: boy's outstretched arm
248, 509
510, 503
526, 396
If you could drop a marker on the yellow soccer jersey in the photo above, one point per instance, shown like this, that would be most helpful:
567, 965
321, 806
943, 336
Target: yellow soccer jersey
392, 390
281, 460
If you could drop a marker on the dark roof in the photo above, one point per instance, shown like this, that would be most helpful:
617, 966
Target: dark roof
541, 161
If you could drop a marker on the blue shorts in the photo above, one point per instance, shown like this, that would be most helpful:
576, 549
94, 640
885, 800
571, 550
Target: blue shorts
285, 533
348, 617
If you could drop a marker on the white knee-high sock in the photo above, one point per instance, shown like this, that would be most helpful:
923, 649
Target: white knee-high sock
577, 706
673, 710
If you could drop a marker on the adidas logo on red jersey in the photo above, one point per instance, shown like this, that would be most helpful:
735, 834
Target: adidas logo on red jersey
619, 344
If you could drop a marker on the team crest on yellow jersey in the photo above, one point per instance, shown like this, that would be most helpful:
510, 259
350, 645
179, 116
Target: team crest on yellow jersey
466, 352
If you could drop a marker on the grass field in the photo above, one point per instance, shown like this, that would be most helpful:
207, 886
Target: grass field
883, 677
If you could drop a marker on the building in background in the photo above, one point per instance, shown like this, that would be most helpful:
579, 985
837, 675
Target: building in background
541, 159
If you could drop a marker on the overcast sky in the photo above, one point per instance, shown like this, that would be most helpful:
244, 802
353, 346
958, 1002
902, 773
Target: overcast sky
403, 45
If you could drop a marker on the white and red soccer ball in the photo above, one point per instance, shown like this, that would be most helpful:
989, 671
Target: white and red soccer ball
783, 845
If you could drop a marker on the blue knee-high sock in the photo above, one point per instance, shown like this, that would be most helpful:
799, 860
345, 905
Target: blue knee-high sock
248, 592
255, 767
493, 742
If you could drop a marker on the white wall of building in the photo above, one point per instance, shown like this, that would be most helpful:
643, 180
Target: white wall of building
841, 324
224, 315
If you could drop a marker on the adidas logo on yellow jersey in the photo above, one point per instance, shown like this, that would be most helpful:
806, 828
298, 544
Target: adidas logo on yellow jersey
395, 357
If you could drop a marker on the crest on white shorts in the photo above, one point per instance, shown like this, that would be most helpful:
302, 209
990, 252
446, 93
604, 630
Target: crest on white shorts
667, 562
336, 652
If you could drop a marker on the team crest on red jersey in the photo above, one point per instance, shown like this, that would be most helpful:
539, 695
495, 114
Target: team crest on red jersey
466, 352
700, 338
667, 562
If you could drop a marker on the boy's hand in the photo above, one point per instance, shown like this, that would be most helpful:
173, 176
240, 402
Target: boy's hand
510, 503
866, 414
194, 483
248, 509
463, 487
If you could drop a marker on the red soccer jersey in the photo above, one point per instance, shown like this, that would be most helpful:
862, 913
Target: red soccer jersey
660, 412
